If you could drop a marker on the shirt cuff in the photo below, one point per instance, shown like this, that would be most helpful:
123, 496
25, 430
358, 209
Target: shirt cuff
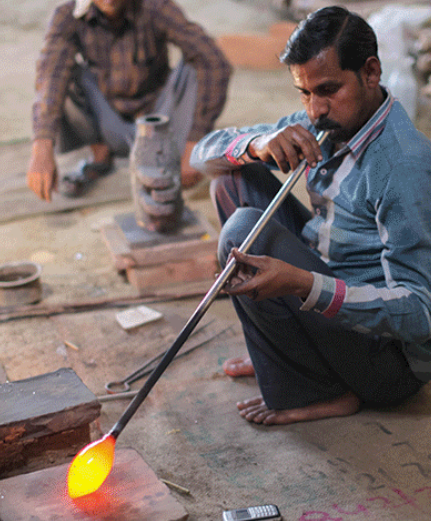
44, 134
236, 153
326, 296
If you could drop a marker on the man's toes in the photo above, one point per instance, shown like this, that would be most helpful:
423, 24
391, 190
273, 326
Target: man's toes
255, 413
248, 413
241, 366
251, 416
271, 419
281, 418
262, 416
250, 403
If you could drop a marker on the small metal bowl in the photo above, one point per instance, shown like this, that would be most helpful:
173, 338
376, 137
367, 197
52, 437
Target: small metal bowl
20, 283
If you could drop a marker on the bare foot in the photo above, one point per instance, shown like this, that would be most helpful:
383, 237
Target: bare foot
256, 411
101, 153
240, 366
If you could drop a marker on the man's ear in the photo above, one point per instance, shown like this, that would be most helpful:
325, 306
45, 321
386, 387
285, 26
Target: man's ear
372, 72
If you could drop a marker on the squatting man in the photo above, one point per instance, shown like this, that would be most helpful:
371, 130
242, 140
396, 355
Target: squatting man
103, 65
335, 303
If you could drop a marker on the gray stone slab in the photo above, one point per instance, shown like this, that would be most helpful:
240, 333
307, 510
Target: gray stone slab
46, 403
138, 237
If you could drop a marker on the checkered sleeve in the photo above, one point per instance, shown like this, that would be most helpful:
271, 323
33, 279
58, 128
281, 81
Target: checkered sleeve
53, 70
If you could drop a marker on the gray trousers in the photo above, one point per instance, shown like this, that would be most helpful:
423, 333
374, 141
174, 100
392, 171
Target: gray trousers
88, 118
300, 357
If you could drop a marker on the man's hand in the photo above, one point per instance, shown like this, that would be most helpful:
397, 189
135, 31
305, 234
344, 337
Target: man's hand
261, 277
287, 147
42, 170
189, 175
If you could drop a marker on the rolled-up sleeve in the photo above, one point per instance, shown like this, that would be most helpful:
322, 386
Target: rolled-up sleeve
226, 149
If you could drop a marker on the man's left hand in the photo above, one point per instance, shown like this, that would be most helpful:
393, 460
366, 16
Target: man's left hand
189, 175
261, 277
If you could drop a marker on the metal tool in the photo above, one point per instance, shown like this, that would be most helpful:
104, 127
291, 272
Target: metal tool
210, 296
96, 459
123, 386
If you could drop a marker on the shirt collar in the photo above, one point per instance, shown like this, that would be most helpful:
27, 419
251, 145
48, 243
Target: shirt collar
372, 128
81, 8
93, 13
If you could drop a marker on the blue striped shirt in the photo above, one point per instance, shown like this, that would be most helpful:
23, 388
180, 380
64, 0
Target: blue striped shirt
371, 224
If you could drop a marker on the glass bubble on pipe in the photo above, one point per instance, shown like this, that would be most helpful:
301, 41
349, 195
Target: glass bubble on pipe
90, 467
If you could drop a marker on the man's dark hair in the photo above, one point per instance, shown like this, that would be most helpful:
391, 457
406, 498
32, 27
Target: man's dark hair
353, 39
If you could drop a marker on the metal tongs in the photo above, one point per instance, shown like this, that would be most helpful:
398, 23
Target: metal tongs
123, 386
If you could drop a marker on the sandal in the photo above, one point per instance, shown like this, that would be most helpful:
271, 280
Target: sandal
78, 183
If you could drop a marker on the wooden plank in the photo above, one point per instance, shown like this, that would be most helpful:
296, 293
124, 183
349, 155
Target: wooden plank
155, 294
18, 202
190, 270
155, 260
131, 245
120, 251
132, 492
174, 252
124, 257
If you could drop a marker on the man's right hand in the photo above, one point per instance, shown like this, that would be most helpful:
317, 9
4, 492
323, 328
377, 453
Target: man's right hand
42, 170
261, 277
287, 147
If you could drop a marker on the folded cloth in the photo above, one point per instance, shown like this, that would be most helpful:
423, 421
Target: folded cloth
81, 7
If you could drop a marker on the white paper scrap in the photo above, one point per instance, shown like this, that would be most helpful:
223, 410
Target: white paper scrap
138, 316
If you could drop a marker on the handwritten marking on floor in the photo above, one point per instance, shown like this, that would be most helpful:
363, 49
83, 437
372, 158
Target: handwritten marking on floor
401, 499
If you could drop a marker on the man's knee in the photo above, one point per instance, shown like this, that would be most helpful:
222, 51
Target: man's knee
235, 230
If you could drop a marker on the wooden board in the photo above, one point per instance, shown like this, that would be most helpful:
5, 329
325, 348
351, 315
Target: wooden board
131, 246
18, 202
132, 492
202, 268
153, 260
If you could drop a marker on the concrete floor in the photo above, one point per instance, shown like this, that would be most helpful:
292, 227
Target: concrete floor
375, 465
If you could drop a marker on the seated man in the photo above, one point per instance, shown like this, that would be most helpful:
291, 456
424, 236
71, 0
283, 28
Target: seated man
103, 65
335, 305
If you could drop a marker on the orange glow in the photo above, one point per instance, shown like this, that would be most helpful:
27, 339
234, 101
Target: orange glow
90, 467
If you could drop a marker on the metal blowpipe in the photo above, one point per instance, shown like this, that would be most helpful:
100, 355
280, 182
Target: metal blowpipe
212, 294
93, 463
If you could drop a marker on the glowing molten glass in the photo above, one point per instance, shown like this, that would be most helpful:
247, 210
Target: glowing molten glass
90, 467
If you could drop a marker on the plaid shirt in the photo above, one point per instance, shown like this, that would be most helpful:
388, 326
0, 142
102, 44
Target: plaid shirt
130, 63
371, 224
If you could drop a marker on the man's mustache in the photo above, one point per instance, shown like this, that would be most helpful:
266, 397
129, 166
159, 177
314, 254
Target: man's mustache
326, 124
